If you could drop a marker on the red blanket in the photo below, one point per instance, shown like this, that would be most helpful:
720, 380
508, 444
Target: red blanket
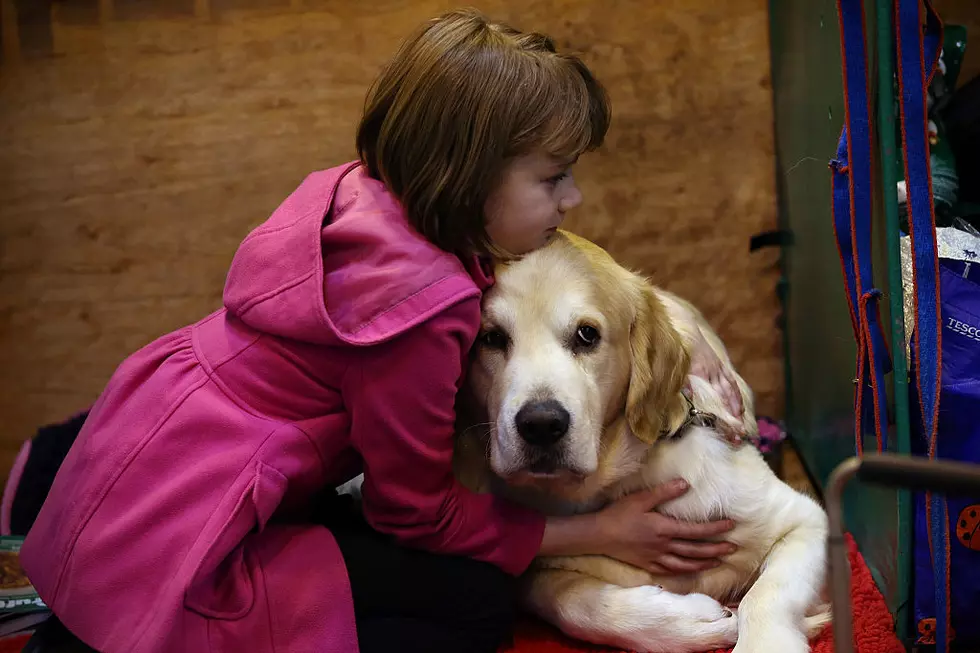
873, 625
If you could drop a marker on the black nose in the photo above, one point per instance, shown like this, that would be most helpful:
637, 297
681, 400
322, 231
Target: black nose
542, 423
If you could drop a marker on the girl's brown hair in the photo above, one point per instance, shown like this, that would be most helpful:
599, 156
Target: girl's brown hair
461, 97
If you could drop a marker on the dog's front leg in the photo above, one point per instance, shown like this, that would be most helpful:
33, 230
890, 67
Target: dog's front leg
645, 619
781, 610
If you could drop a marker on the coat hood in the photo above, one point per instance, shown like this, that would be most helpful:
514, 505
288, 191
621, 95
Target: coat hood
338, 262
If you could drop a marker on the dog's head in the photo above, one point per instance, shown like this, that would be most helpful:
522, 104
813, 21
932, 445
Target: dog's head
571, 342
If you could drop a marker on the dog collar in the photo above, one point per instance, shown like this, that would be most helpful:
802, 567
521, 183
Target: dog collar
697, 417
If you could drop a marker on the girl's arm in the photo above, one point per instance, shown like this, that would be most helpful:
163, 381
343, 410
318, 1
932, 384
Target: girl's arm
401, 400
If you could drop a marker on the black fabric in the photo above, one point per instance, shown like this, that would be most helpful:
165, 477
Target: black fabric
51, 636
961, 118
414, 601
49, 446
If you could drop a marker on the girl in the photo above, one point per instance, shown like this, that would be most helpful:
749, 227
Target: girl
190, 515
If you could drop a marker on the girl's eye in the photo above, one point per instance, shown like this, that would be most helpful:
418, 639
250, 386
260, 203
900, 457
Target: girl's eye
554, 181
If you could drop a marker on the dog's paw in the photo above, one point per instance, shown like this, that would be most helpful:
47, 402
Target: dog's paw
772, 638
674, 623
707, 624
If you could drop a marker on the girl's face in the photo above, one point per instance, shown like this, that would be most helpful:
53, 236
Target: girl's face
529, 204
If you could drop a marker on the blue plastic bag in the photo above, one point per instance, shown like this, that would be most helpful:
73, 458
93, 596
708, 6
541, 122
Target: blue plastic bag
958, 438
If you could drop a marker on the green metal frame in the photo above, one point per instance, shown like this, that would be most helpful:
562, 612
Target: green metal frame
889, 154
819, 346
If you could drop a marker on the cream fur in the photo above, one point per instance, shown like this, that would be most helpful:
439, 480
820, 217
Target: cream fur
620, 396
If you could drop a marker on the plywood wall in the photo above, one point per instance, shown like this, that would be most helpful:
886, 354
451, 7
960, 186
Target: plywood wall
140, 140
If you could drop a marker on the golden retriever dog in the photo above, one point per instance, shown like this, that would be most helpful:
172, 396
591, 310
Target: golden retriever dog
580, 393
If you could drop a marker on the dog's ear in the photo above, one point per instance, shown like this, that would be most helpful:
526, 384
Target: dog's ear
659, 367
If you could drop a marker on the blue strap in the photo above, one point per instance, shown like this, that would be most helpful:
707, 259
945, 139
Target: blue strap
918, 53
852, 195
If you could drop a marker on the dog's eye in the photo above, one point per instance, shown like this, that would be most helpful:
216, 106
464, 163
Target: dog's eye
586, 337
494, 339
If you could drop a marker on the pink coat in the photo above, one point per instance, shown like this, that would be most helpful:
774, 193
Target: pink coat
176, 522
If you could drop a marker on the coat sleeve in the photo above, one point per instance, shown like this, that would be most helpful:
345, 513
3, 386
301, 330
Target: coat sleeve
402, 406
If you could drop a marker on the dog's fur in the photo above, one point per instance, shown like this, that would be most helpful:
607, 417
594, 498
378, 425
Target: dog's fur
622, 395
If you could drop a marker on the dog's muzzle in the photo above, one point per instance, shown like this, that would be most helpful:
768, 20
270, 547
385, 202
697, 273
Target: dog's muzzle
542, 423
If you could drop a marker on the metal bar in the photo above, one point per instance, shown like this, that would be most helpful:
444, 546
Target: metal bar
890, 470
889, 158
840, 569
920, 473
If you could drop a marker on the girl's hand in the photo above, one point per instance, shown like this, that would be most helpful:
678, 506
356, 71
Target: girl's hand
631, 532
706, 365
